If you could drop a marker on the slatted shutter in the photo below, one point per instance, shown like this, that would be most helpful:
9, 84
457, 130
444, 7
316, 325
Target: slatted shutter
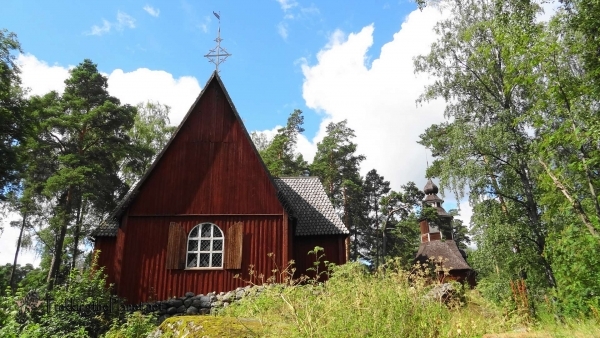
176, 247
234, 239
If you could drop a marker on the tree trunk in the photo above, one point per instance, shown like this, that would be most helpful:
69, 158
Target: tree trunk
78, 222
59, 243
532, 211
14, 266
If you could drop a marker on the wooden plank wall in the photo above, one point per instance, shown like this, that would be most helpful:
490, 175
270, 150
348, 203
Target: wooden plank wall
209, 168
106, 246
144, 257
333, 250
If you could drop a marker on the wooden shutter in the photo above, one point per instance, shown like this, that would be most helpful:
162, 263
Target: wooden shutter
176, 247
234, 239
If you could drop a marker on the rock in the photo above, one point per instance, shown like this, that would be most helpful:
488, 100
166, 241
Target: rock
181, 309
197, 303
189, 294
172, 310
204, 311
191, 310
182, 298
225, 305
447, 293
227, 297
175, 302
239, 289
240, 294
217, 304
187, 302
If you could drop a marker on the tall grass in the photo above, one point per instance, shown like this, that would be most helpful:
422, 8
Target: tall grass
391, 302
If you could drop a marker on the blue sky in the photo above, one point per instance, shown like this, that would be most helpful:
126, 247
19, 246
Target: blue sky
334, 60
268, 40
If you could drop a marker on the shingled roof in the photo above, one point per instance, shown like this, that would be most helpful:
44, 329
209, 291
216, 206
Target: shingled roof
309, 204
452, 258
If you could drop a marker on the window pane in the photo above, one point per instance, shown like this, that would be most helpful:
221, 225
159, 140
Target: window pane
217, 259
204, 260
192, 245
206, 230
192, 260
205, 245
217, 232
217, 245
194, 232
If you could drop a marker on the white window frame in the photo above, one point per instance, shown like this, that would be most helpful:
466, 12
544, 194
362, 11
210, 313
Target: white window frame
211, 250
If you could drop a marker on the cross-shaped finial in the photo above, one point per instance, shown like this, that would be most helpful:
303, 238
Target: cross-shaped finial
218, 54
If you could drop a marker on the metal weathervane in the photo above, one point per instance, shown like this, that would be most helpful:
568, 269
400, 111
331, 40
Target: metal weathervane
218, 54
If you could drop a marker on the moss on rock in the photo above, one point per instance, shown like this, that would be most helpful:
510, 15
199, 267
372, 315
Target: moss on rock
208, 326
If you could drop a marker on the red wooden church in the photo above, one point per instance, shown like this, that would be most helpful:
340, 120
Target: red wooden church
208, 208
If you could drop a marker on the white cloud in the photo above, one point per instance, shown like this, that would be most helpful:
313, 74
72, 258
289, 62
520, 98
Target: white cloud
124, 20
155, 12
100, 30
282, 30
378, 102
144, 84
40, 77
287, 4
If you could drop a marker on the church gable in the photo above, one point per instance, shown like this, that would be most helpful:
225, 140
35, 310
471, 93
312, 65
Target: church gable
210, 166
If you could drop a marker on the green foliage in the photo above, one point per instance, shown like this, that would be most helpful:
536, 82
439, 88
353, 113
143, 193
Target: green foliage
74, 158
43, 316
575, 261
149, 135
337, 165
279, 155
15, 121
136, 325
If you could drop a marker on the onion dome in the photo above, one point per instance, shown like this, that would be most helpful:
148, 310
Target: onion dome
430, 188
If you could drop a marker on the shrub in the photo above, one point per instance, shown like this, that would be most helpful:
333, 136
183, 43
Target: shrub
135, 325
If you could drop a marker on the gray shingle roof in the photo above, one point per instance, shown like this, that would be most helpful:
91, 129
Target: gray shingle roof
308, 202
108, 228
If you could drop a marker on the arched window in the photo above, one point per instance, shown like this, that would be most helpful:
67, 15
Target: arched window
205, 247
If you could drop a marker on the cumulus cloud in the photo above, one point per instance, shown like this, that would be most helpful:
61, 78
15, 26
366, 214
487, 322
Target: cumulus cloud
133, 87
40, 77
155, 12
378, 100
144, 84
124, 20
